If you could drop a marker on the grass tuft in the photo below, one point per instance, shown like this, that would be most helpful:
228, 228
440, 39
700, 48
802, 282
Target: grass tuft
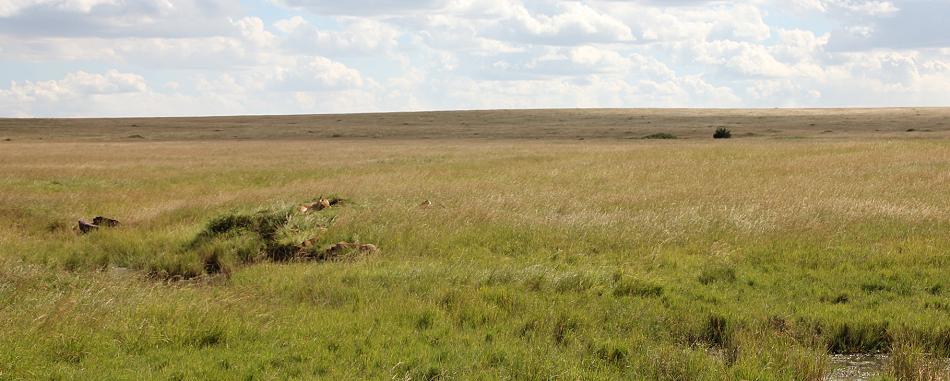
717, 331
908, 361
864, 337
634, 287
717, 274
660, 136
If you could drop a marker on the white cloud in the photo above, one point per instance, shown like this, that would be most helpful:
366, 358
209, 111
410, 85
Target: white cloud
570, 23
13, 7
908, 25
78, 84
865, 7
116, 18
74, 89
365, 7
358, 36
798, 45
316, 73
741, 58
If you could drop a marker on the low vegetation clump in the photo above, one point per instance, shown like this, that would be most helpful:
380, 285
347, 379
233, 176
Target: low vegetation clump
717, 273
263, 234
632, 287
722, 133
276, 234
660, 136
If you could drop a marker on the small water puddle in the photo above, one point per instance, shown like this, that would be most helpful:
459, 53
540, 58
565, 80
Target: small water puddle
856, 367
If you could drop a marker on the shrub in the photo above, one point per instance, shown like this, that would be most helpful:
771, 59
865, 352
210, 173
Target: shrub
722, 133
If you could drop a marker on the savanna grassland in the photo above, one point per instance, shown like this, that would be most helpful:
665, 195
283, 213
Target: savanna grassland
559, 245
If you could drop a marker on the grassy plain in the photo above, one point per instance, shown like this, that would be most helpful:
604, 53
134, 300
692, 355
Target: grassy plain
812, 232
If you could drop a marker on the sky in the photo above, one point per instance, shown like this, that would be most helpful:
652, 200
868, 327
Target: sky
224, 57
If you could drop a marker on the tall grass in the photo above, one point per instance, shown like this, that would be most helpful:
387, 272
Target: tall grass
537, 260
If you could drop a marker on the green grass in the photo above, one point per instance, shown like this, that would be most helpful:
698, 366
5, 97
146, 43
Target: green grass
748, 259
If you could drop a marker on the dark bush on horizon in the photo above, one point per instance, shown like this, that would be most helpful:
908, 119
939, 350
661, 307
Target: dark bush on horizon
722, 133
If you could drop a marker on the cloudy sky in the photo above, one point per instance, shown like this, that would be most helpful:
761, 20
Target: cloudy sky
212, 57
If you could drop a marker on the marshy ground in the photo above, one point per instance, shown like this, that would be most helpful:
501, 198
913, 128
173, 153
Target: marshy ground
559, 244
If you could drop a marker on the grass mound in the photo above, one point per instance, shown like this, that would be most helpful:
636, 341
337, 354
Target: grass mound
276, 234
280, 233
255, 235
